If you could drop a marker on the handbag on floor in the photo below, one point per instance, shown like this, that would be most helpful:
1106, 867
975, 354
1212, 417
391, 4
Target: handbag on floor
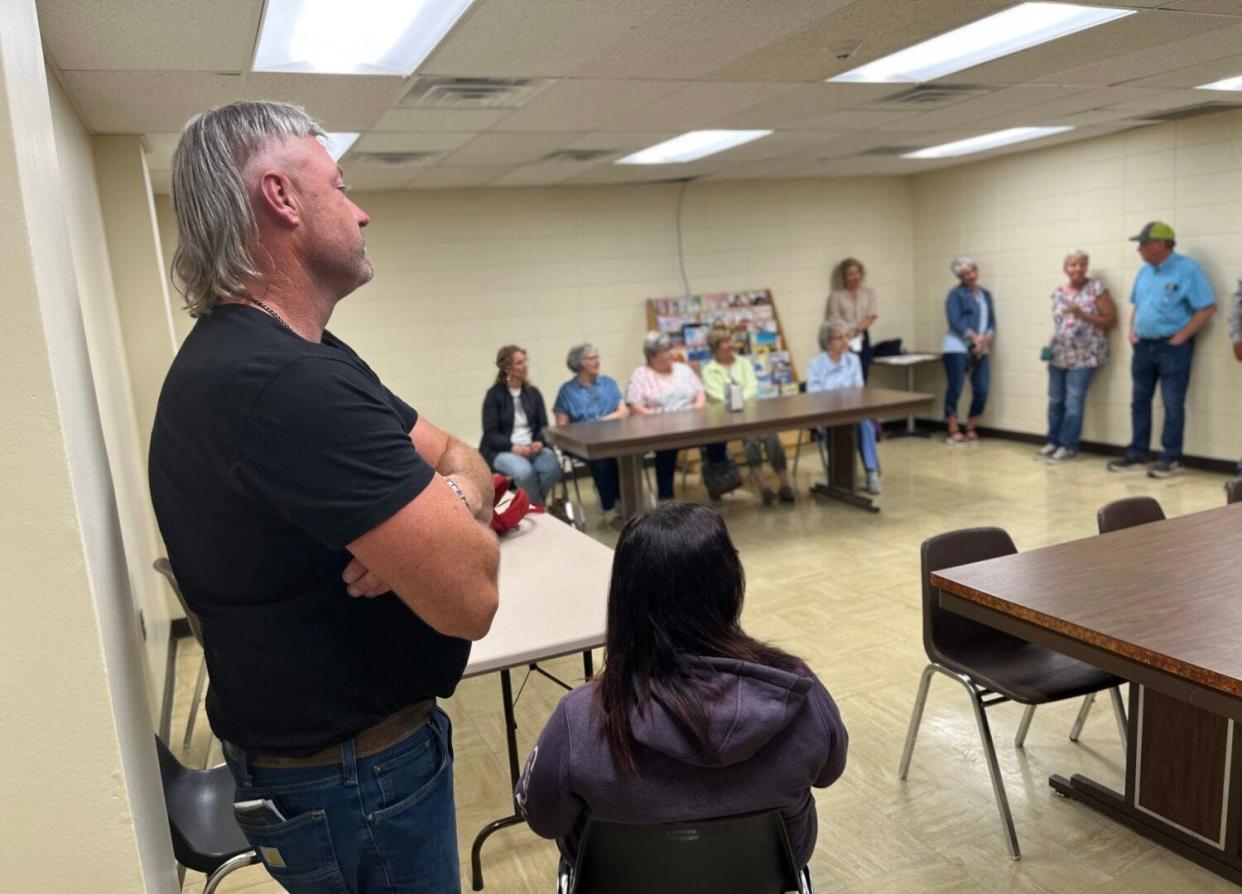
721, 477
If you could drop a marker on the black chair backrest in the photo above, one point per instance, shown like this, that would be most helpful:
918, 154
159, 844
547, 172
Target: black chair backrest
747, 854
1128, 513
1233, 490
947, 636
204, 831
164, 567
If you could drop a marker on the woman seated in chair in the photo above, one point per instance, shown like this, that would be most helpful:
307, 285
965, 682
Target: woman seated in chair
835, 367
589, 397
726, 370
690, 718
514, 418
663, 385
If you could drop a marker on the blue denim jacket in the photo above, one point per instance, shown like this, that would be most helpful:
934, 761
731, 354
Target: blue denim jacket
962, 311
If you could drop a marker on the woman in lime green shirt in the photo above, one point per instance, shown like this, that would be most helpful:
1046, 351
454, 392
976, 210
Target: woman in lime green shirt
725, 368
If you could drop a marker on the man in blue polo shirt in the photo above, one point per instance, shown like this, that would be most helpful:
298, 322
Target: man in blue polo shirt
1172, 300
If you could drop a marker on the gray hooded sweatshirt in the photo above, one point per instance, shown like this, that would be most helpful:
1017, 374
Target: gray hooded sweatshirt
772, 736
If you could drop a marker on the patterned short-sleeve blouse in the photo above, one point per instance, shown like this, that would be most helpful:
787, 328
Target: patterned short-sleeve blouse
664, 394
1075, 341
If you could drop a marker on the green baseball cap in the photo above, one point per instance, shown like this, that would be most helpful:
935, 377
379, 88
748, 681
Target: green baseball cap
1155, 231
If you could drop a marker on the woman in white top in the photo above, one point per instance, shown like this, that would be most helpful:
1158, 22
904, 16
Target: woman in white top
663, 385
514, 418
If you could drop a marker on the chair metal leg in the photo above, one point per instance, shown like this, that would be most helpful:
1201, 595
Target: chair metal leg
998, 784
195, 702
579, 506
797, 451
985, 736
916, 717
249, 858
1119, 713
804, 880
1079, 721
1020, 739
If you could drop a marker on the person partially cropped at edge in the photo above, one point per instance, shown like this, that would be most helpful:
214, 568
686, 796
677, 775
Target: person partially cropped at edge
334, 543
691, 718
1172, 301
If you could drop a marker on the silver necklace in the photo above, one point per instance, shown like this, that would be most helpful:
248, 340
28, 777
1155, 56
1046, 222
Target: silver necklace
269, 310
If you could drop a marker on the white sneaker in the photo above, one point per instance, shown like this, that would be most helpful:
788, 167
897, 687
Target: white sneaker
1047, 450
873, 483
1063, 454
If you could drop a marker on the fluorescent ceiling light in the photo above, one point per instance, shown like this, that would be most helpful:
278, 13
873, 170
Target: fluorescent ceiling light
1018, 28
367, 37
987, 141
338, 144
692, 146
1226, 84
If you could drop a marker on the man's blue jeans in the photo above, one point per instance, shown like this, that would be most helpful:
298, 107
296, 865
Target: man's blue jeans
1155, 360
1067, 394
384, 823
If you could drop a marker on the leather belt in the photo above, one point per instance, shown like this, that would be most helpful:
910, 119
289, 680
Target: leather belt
393, 729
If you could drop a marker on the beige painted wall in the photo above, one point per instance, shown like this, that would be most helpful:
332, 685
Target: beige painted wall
459, 273
1020, 214
84, 808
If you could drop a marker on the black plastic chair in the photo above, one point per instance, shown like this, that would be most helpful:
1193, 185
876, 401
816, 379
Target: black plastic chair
747, 854
205, 836
992, 666
1128, 513
164, 567
1233, 490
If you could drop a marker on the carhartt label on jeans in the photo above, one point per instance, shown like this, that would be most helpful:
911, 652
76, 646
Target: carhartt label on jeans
271, 856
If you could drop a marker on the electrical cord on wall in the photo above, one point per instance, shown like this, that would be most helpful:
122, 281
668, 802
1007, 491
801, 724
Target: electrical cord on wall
681, 250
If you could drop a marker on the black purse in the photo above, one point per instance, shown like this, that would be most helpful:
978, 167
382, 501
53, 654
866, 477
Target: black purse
721, 477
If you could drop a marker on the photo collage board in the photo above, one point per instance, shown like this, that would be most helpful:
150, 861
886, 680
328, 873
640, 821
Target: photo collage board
749, 315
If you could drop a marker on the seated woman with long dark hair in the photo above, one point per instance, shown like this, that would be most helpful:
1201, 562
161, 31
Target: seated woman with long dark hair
691, 718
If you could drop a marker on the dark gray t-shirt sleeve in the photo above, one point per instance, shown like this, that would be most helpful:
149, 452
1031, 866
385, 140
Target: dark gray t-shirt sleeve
329, 449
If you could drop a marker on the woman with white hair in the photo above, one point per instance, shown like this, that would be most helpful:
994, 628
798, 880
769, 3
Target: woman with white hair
663, 385
591, 397
1082, 314
972, 327
835, 367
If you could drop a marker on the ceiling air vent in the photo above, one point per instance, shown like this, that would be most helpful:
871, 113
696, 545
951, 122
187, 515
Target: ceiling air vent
579, 156
931, 95
1205, 108
432, 92
392, 159
887, 151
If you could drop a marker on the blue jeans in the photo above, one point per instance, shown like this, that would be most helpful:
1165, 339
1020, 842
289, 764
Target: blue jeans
1067, 394
865, 435
1155, 360
536, 475
955, 368
385, 823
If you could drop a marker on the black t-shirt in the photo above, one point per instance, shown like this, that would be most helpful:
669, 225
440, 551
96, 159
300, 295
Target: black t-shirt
269, 455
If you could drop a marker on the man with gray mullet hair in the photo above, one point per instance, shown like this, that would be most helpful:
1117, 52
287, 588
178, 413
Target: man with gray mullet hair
333, 542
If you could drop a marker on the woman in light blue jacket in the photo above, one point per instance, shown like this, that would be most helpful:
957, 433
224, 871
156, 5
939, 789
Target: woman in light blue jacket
972, 327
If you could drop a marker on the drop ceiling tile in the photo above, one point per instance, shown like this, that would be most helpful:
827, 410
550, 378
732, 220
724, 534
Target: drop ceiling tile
881, 26
613, 174
585, 104
535, 38
546, 174
691, 38
1193, 75
150, 35
698, 103
160, 148
622, 141
1215, 7
459, 178
1165, 52
859, 119
757, 170
412, 142
338, 102
1176, 99
147, 101
972, 112
806, 103
509, 149
431, 120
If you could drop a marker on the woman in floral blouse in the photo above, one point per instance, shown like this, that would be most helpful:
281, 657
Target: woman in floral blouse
1082, 314
663, 385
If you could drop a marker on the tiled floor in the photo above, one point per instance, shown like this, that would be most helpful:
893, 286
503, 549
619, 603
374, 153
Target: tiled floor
840, 587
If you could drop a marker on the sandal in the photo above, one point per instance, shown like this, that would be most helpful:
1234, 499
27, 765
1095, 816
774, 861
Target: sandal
955, 438
972, 436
